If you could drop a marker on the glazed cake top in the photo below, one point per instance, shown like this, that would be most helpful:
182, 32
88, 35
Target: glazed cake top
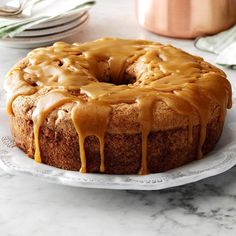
111, 71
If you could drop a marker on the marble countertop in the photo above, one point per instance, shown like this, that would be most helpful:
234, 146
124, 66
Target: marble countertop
29, 206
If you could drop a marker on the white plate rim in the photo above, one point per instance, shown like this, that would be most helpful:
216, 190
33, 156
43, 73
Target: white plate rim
86, 181
180, 176
42, 41
58, 21
52, 30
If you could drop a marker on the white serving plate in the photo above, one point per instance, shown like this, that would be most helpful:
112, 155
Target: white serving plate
221, 159
27, 42
59, 20
53, 30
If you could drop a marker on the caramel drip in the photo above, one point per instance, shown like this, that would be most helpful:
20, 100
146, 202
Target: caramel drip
182, 107
16, 87
84, 125
45, 105
114, 71
210, 90
190, 94
146, 119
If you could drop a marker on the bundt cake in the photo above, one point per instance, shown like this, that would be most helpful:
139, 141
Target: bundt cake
116, 106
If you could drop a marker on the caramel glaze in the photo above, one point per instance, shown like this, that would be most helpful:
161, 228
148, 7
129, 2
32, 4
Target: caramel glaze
112, 71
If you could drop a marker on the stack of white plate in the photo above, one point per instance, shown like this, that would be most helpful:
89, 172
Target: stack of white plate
48, 32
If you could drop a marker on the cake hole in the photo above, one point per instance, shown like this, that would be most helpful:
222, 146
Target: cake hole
124, 80
102, 72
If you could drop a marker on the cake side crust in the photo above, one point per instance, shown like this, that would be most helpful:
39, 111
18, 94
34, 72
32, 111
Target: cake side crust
167, 149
